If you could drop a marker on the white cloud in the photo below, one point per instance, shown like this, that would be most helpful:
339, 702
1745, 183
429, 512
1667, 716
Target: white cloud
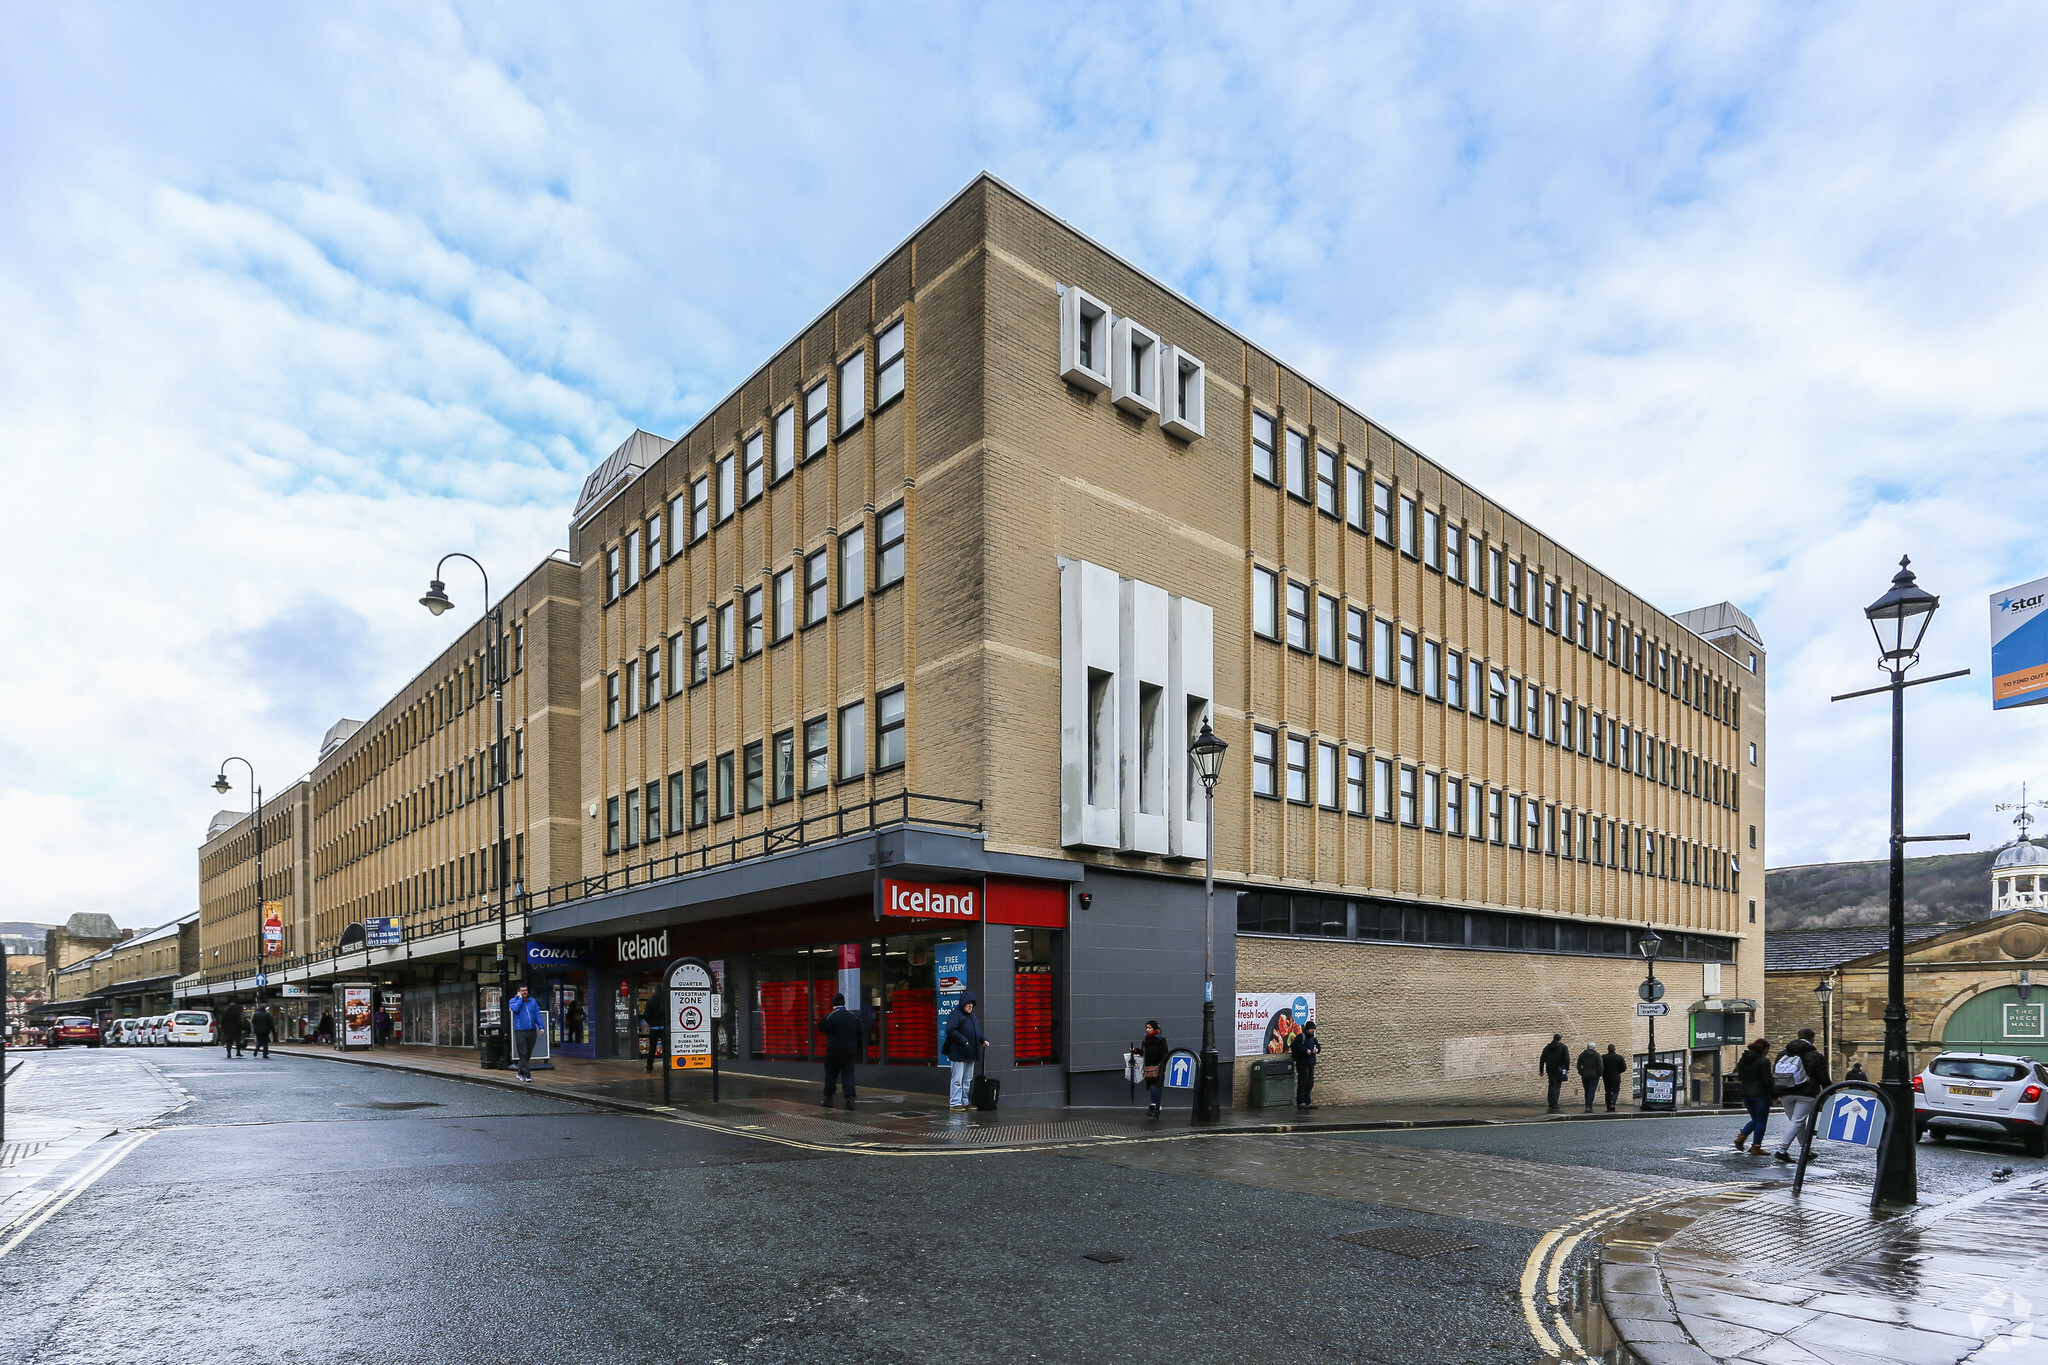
1738, 302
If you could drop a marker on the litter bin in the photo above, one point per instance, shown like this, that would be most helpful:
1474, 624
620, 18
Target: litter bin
491, 1050
1272, 1083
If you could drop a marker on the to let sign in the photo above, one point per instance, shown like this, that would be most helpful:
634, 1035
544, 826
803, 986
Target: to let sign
930, 900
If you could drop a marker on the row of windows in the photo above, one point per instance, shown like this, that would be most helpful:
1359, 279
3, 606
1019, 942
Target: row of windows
1399, 521
471, 779
1309, 772
1305, 916
277, 829
759, 774
1430, 669
458, 879
468, 686
760, 460
758, 618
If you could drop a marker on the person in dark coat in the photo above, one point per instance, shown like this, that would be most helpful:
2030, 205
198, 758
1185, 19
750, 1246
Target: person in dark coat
1152, 1056
657, 1027
1757, 1091
1797, 1095
1554, 1065
259, 1029
1589, 1073
965, 1048
844, 1034
231, 1028
1613, 1071
1305, 1048
1856, 1073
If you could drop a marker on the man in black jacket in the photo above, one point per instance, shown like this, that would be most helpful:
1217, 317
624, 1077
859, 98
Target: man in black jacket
1305, 1048
231, 1028
844, 1035
259, 1027
1554, 1065
1589, 1073
1613, 1070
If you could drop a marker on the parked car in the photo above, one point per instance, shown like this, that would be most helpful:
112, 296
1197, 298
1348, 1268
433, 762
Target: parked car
189, 1027
1983, 1094
158, 1033
122, 1032
73, 1028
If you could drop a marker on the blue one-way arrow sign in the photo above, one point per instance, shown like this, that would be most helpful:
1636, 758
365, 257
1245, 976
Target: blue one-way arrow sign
1180, 1071
1852, 1118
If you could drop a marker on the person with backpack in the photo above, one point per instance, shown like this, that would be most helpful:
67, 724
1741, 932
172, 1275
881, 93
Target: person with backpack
1589, 1073
965, 1043
1799, 1076
1305, 1047
1613, 1071
1758, 1087
657, 1027
1554, 1065
844, 1035
259, 1029
1152, 1057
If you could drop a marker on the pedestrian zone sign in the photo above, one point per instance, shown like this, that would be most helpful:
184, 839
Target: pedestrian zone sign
1854, 1118
1180, 1071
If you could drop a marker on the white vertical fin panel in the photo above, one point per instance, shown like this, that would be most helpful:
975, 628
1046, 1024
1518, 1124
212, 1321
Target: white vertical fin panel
1146, 803
1190, 696
1091, 630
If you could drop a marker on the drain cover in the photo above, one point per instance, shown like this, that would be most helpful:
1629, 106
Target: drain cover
1105, 1257
1406, 1241
909, 1114
392, 1104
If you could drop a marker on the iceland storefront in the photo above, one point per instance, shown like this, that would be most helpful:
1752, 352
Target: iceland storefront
1068, 960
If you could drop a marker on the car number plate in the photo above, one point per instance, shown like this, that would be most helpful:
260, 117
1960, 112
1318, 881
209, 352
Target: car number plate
1977, 1090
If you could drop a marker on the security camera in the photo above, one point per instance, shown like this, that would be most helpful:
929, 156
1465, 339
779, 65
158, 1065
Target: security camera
1086, 900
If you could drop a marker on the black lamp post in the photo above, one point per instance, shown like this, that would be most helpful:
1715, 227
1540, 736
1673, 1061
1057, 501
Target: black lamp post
1206, 753
223, 786
1649, 945
437, 601
1823, 993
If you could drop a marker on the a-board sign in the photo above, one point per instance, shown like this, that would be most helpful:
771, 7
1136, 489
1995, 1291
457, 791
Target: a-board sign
689, 1018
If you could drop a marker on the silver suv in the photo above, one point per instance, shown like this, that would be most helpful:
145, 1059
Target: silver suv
1983, 1094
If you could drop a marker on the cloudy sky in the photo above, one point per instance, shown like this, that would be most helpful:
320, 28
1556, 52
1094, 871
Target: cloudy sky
1739, 301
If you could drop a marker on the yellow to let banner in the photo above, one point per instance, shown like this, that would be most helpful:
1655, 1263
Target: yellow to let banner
700, 1062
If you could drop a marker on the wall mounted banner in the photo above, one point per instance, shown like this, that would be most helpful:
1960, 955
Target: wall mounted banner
383, 933
1268, 1021
2019, 646
949, 977
930, 900
273, 928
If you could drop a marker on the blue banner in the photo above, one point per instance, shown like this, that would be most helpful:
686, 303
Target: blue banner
949, 974
557, 955
383, 933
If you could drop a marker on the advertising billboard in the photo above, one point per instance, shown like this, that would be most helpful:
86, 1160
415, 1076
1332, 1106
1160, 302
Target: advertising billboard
383, 933
273, 928
2019, 645
1267, 1021
357, 1022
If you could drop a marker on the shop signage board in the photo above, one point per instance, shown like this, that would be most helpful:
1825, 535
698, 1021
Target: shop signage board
640, 947
383, 933
273, 928
949, 976
1267, 1021
930, 900
2019, 646
545, 955
2024, 1021
357, 1023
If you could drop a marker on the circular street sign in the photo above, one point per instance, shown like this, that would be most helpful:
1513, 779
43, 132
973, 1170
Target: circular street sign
1652, 989
692, 1018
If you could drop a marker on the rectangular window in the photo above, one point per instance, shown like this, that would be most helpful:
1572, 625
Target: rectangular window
632, 688
679, 523
1565, 616
1454, 807
653, 834
754, 462
1496, 696
1326, 480
1514, 703
700, 509
1535, 714
1409, 681
1409, 814
785, 442
1265, 781
1585, 741
784, 622
1262, 449
635, 557
1514, 573
1475, 807
1354, 782
1475, 563
654, 555
1432, 539
888, 366
1599, 729
1493, 818
853, 549
1597, 824
1383, 649
1454, 679
751, 785
1354, 638
754, 625
1454, 554
700, 796
1514, 822
1432, 670
1297, 768
853, 391
1566, 734
725, 487
1475, 685
817, 754
678, 802
611, 824
632, 825
783, 778
1297, 464
853, 740
1534, 818
725, 786
889, 560
1354, 496
727, 636
1494, 575
1432, 801
1585, 635
817, 601
1383, 513
1383, 788
1599, 633
1297, 615
700, 651
817, 402
611, 700
653, 678
1326, 775
1550, 606
1407, 526
889, 729
1265, 588
1327, 637
611, 574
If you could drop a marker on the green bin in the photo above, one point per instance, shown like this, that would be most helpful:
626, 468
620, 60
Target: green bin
1272, 1083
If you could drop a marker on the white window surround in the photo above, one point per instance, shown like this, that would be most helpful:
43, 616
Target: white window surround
1134, 368
1085, 323
1184, 380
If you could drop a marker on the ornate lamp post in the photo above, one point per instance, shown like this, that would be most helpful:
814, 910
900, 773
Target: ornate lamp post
1649, 945
1206, 753
1824, 994
223, 786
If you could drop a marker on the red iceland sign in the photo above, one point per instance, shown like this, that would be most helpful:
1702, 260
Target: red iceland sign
930, 900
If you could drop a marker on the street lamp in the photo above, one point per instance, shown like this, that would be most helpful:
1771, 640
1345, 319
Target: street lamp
1822, 994
436, 600
1206, 753
1649, 945
223, 786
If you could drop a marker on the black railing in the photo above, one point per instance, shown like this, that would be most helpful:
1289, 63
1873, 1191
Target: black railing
826, 827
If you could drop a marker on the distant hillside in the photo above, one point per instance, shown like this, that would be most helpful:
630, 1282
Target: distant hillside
1947, 886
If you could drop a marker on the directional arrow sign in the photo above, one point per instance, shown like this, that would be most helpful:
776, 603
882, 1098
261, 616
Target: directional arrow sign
1650, 1011
1853, 1118
1180, 1071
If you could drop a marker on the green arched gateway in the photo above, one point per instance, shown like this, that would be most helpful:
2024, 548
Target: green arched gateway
1998, 1021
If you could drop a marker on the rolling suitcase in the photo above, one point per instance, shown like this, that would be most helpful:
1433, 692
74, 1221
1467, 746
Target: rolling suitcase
985, 1092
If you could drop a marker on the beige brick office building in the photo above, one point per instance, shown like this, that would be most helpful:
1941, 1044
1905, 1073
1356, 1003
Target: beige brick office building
935, 600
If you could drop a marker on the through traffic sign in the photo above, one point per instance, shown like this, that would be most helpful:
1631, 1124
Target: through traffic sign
1647, 1010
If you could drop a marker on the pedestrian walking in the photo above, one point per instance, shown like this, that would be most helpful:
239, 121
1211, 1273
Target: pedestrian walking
1589, 1069
1554, 1065
1305, 1048
231, 1028
260, 1025
844, 1034
1798, 1076
657, 1028
1613, 1071
325, 1032
380, 1026
526, 1023
1152, 1058
965, 1048
1757, 1088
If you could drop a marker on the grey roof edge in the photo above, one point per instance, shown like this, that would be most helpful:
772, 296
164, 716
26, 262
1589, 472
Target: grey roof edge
1719, 619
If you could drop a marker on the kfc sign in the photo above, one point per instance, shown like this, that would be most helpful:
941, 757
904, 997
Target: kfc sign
930, 900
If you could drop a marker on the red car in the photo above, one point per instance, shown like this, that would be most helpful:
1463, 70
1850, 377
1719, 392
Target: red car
74, 1028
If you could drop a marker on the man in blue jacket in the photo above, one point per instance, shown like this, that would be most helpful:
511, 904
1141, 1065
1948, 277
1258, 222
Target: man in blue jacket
525, 1031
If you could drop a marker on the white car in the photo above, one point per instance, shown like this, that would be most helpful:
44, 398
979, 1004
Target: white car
1983, 1094
121, 1033
187, 1028
153, 1031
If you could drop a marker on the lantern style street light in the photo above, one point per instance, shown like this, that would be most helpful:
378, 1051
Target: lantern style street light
1649, 945
1823, 994
223, 786
1206, 754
